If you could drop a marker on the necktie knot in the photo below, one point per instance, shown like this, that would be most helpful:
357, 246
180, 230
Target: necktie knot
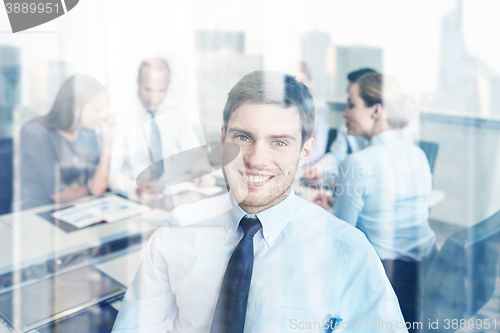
250, 226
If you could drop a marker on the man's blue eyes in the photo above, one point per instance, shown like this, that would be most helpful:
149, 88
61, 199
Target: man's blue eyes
242, 138
246, 139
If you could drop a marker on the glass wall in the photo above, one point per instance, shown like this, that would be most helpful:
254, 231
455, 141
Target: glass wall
81, 140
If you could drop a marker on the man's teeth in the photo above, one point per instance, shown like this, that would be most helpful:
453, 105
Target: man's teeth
256, 179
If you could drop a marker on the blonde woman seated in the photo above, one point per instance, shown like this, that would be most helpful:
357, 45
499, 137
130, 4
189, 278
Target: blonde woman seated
383, 189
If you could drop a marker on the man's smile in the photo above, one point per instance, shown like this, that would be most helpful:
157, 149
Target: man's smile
255, 179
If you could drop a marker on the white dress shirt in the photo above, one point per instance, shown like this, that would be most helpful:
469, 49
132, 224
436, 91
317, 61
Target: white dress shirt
130, 156
309, 267
345, 144
383, 190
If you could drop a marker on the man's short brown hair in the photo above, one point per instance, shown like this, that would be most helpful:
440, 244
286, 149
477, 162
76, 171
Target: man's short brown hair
268, 87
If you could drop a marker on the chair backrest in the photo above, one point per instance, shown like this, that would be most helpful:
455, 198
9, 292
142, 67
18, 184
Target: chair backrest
6, 174
332, 135
461, 279
430, 149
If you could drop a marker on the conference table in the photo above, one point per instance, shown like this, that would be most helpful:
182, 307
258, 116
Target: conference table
46, 263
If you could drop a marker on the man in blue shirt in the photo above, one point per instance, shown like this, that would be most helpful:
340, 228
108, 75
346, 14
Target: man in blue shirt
272, 262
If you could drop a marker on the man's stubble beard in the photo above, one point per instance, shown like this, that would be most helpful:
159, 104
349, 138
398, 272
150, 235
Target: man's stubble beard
253, 205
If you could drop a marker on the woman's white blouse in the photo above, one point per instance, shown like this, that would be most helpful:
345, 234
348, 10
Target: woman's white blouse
383, 190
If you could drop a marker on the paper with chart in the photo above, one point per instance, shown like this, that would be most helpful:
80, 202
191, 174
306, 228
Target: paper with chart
109, 209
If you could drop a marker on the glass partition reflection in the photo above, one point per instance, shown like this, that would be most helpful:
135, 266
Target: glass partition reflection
111, 119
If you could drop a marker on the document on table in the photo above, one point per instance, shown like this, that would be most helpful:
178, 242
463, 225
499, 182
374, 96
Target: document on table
109, 209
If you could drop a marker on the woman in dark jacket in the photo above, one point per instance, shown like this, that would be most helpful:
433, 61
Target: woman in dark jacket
62, 158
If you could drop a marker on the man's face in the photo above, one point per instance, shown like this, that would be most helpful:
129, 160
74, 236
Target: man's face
153, 85
269, 138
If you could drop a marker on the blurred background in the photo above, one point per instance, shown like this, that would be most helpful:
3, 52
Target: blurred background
446, 53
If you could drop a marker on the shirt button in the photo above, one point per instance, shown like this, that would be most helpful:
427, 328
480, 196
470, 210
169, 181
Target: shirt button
270, 238
229, 231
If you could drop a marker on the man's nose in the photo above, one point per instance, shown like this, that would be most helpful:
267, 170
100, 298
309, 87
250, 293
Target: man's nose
345, 113
256, 156
155, 97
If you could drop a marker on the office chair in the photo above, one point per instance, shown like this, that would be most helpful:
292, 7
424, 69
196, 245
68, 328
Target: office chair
462, 277
332, 134
430, 149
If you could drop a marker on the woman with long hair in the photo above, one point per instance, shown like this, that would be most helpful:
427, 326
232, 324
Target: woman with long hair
62, 158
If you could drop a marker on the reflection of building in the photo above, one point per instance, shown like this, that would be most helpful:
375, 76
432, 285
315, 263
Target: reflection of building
314, 48
453, 54
10, 89
330, 64
221, 63
46, 79
466, 83
343, 60
10, 96
207, 40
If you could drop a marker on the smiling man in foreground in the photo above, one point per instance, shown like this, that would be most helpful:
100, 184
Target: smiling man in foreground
273, 260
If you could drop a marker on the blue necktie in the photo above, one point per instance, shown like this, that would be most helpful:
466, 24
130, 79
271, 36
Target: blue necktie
155, 149
231, 307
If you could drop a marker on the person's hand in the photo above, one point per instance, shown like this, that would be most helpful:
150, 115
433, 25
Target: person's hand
311, 173
148, 196
108, 127
323, 200
204, 179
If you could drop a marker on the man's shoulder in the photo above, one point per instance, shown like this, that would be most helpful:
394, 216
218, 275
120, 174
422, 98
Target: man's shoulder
322, 223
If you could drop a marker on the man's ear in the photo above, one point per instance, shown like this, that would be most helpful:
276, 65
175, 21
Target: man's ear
306, 152
222, 134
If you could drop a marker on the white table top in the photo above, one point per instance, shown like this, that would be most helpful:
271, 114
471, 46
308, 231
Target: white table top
29, 236
15, 248
123, 268
28, 239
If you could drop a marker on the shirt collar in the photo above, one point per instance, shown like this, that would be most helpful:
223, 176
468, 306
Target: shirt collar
384, 136
273, 219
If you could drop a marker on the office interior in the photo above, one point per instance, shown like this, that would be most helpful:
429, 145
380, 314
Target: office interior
444, 53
